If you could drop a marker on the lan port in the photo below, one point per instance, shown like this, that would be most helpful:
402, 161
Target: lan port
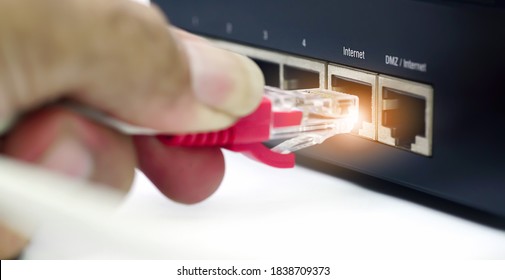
364, 92
271, 72
296, 78
404, 115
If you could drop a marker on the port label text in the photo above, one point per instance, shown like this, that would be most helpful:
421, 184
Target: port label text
405, 63
392, 60
353, 53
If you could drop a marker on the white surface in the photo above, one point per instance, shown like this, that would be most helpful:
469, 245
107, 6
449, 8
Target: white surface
261, 212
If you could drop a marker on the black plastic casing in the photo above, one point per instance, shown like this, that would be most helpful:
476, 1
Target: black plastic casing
462, 43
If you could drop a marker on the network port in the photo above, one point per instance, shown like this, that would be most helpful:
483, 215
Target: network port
301, 73
271, 72
406, 115
297, 78
282, 70
363, 85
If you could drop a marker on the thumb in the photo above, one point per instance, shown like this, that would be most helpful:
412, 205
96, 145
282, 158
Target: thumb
120, 57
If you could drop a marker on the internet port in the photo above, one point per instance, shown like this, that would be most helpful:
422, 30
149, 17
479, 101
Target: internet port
363, 85
406, 115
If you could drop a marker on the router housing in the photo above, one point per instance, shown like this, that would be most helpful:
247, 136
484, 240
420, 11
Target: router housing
429, 75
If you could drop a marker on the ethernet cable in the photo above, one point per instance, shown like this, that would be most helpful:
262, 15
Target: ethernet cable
301, 118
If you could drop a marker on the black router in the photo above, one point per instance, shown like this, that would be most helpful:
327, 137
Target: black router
429, 76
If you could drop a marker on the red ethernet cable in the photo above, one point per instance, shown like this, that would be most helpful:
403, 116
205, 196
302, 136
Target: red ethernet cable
301, 118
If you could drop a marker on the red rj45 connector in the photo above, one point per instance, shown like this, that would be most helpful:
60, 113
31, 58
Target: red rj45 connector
304, 118
301, 118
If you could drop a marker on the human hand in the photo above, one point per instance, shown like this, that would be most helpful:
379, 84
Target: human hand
121, 58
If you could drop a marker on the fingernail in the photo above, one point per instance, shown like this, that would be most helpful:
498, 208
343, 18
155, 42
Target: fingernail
70, 157
224, 80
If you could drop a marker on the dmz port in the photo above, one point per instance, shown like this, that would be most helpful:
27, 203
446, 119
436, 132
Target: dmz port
406, 115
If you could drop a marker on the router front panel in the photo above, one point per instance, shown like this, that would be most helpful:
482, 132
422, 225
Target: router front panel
429, 75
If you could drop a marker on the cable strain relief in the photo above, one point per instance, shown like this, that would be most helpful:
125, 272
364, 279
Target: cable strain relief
209, 139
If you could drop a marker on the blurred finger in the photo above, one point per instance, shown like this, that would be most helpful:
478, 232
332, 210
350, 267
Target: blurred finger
120, 57
61, 140
11, 243
186, 175
185, 35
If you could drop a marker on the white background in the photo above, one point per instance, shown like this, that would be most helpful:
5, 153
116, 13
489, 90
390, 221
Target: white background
266, 213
